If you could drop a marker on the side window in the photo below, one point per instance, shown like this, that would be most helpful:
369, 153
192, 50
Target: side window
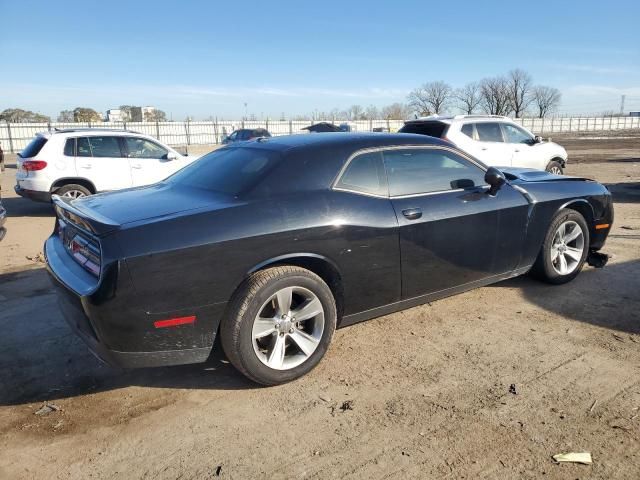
489, 132
70, 147
416, 171
234, 135
467, 129
104, 147
365, 174
515, 134
141, 148
84, 149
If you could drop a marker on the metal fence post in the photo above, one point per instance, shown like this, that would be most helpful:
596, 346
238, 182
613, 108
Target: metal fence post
157, 130
10, 137
290, 127
215, 130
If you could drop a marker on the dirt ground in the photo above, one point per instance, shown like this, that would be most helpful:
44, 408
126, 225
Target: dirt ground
424, 393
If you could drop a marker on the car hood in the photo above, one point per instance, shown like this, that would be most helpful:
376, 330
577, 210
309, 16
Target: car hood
110, 211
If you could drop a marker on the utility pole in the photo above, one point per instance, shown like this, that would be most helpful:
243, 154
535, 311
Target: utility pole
622, 104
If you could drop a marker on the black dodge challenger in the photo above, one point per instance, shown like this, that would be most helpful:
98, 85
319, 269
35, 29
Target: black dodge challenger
274, 243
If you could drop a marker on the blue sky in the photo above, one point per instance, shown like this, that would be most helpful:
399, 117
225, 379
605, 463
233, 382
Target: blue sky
208, 58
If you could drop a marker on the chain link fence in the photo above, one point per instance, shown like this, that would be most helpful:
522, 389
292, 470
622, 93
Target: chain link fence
15, 136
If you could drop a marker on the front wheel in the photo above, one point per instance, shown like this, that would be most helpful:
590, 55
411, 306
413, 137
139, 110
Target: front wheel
564, 250
554, 167
279, 324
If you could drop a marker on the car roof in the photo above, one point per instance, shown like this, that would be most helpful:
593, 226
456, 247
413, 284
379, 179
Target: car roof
341, 139
75, 132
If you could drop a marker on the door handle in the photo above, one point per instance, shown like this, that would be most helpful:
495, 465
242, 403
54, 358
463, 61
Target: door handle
136, 165
412, 213
85, 166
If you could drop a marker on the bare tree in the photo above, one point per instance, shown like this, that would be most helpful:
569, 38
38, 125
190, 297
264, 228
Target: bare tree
155, 115
19, 115
355, 112
432, 97
372, 113
125, 112
519, 85
495, 96
396, 111
65, 116
546, 99
468, 97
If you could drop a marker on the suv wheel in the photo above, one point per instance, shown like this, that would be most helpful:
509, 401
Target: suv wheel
564, 250
554, 167
279, 325
73, 190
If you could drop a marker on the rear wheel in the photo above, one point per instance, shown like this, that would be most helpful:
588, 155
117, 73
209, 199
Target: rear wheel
554, 167
279, 325
73, 191
564, 250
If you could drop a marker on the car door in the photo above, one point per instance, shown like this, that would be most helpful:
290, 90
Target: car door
525, 151
100, 159
491, 148
452, 232
149, 161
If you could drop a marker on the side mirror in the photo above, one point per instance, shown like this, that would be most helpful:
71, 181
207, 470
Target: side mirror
496, 179
537, 139
172, 156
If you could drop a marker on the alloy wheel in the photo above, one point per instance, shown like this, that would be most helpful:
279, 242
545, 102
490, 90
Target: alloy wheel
288, 328
567, 247
74, 194
555, 170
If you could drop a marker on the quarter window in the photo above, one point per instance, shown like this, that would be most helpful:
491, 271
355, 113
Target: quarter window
416, 171
467, 129
489, 132
141, 148
365, 174
515, 134
70, 147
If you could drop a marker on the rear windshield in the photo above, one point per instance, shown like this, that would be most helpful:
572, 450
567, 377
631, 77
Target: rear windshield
34, 147
433, 129
233, 171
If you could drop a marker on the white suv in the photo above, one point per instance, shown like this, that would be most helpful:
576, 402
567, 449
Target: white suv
495, 140
79, 162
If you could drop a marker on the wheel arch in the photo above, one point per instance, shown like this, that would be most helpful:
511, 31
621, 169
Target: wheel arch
322, 266
584, 208
61, 182
560, 160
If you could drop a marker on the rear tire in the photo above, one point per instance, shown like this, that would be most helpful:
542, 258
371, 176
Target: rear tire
73, 191
555, 167
565, 248
260, 333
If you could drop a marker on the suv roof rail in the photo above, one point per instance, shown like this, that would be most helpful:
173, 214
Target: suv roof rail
458, 117
96, 129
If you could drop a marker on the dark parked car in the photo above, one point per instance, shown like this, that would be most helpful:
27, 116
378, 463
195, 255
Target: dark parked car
274, 243
3, 218
245, 134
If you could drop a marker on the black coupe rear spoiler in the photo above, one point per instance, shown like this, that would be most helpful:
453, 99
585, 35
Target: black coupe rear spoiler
89, 221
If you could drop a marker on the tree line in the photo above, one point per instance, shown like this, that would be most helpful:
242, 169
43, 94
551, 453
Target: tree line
78, 114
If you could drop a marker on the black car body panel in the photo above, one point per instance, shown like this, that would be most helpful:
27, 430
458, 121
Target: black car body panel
173, 252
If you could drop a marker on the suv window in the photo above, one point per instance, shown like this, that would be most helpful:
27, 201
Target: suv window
365, 173
142, 148
516, 134
34, 147
489, 132
467, 129
433, 129
102, 147
415, 171
70, 147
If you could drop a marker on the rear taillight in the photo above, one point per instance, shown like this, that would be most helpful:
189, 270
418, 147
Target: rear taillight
34, 165
83, 249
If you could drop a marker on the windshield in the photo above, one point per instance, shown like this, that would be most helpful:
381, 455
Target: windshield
228, 170
433, 129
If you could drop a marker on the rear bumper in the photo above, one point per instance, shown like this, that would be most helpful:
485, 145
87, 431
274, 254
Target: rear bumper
35, 195
117, 333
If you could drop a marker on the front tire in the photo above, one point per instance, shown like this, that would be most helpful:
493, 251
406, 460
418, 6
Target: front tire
555, 167
279, 324
564, 250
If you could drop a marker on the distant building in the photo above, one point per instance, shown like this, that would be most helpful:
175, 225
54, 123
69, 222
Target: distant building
634, 114
140, 114
114, 115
